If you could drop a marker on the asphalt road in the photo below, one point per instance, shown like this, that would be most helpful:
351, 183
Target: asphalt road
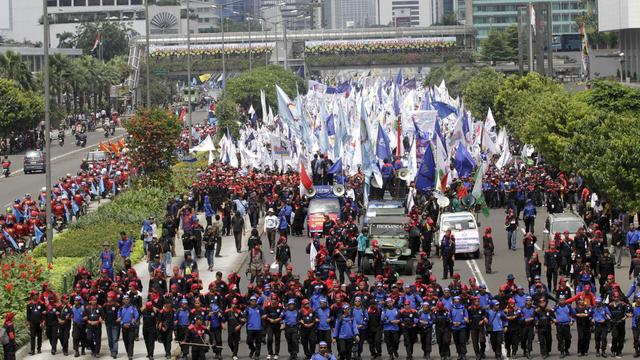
505, 262
64, 159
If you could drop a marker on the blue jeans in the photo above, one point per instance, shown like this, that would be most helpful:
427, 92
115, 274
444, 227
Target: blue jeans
209, 255
167, 263
113, 335
511, 238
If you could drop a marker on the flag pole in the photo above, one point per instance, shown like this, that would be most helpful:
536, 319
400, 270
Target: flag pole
399, 151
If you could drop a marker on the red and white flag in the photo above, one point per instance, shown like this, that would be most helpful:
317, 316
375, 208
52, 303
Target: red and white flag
305, 180
97, 42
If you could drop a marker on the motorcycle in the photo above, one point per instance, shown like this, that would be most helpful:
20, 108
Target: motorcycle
61, 139
106, 130
81, 140
6, 168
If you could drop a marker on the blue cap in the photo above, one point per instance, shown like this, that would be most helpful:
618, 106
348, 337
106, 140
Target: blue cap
291, 302
323, 343
520, 287
125, 297
388, 299
528, 298
456, 298
345, 306
510, 277
358, 298
184, 301
253, 298
267, 286
446, 289
495, 302
323, 300
598, 299
78, 298
482, 286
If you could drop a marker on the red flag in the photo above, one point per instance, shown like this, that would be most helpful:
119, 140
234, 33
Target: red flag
104, 147
305, 180
443, 182
96, 43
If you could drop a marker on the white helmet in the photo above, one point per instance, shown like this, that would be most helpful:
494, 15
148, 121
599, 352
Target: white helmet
103, 171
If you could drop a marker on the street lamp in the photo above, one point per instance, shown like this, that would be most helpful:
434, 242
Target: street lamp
249, 19
189, 71
47, 130
147, 57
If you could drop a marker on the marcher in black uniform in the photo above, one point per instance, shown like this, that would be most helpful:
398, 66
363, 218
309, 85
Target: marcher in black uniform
528, 327
166, 327
110, 310
583, 324
477, 321
308, 322
544, 318
51, 324
409, 326
273, 320
290, 319
181, 324
374, 330
9, 349
36, 313
619, 312
564, 316
443, 330
94, 317
233, 321
447, 252
64, 324
149, 328
601, 317
512, 330
128, 317
198, 337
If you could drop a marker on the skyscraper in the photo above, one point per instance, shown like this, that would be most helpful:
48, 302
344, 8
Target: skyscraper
340, 14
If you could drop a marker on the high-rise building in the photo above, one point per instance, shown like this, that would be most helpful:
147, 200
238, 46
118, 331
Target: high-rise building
405, 13
340, 14
500, 14
623, 16
297, 14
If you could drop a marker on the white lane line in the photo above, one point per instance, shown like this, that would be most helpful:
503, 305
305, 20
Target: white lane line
536, 244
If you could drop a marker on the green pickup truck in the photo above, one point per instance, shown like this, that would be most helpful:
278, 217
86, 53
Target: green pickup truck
393, 242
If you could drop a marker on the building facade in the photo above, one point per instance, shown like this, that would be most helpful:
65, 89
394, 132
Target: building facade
342, 14
406, 13
623, 16
500, 14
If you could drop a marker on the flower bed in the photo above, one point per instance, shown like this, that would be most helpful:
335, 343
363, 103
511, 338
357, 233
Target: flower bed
214, 50
378, 45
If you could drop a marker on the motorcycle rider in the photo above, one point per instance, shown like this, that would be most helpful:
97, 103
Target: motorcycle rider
6, 164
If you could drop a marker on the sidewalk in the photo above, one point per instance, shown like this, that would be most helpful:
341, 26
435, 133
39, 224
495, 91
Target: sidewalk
229, 262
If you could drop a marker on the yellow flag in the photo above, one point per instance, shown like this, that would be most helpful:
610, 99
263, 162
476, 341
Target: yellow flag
204, 77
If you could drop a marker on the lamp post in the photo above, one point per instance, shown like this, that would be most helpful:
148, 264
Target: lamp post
47, 130
147, 57
250, 49
189, 70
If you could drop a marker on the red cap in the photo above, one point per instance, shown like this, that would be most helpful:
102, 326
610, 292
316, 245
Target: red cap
148, 305
93, 298
456, 276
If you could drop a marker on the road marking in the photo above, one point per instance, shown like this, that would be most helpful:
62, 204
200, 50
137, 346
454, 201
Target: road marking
61, 156
536, 244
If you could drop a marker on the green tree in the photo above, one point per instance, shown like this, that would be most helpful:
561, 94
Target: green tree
228, 117
19, 109
12, 67
613, 97
497, 47
449, 19
480, 91
244, 89
154, 137
113, 37
160, 90
453, 74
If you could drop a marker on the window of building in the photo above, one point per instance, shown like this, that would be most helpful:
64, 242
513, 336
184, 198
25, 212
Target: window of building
136, 2
52, 2
123, 2
94, 2
65, 3
107, 2
79, 2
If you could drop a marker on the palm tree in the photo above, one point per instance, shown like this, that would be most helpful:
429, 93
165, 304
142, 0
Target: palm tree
12, 67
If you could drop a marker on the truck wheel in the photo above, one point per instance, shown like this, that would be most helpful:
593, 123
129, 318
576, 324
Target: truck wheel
409, 269
366, 265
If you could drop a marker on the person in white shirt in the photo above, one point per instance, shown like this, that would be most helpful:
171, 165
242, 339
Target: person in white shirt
271, 223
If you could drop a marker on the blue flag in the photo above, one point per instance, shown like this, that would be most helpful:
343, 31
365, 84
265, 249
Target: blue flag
426, 102
396, 102
383, 149
410, 84
113, 187
336, 168
420, 135
75, 207
443, 109
249, 139
38, 234
67, 214
18, 214
101, 185
331, 128
43, 199
379, 94
426, 177
93, 190
463, 162
465, 123
399, 77
10, 239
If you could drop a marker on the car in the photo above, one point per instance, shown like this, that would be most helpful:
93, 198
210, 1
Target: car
34, 161
96, 156
382, 208
561, 222
464, 228
393, 242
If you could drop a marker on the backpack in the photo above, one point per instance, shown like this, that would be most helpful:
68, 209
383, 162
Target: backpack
4, 336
